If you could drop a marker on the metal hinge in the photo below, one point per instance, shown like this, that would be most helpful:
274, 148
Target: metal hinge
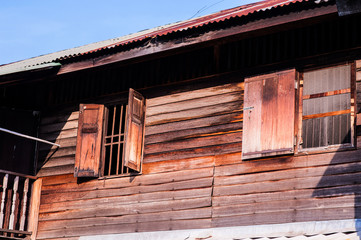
296, 85
247, 108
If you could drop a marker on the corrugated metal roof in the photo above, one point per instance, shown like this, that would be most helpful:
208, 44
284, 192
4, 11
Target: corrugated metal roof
152, 33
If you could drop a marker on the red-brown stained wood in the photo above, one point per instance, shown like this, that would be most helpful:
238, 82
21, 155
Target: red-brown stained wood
176, 165
288, 184
127, 219
196, 94
87, 158
75, 198
127, 228
34, 205
208, 111
227, 159
195, 183
193, 124
58, 170
197, 102
288, 174
269, 110
124, 209
168, 191
194, 178
177, 135
278, 206
7, 209
54, 180
205, 151
212, 140
286, 216
324, 94
229, 200
279, 163
134, 131
170, 177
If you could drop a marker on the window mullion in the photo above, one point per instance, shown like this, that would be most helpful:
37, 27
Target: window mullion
119, 140
111, 140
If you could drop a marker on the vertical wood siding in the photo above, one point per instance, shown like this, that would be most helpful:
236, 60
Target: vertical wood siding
193, 176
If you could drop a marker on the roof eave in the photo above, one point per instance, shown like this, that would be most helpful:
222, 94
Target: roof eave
205, 38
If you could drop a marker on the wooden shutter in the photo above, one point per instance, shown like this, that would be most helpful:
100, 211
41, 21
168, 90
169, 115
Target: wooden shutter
89, 140
268, 116
134, 131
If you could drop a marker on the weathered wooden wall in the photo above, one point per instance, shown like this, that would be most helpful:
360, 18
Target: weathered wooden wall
185, 134
193, 176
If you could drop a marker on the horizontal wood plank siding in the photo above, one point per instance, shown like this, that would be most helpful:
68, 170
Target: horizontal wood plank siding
184, 134
288, 189
193, 175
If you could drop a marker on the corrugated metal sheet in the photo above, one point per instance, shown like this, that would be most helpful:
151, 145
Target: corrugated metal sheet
318, 230
329, 236
154, 32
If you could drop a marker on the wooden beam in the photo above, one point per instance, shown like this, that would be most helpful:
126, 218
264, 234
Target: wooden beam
326, 94
218, 35
319, 115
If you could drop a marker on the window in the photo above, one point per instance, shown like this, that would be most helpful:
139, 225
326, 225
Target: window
272, 125
110, 139
326, 108
113, 140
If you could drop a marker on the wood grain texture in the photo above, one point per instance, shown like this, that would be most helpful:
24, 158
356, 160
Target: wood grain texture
127, 219
206, 121
127, 228
269, 111
193, 176
193, 124
124, 209
33, 214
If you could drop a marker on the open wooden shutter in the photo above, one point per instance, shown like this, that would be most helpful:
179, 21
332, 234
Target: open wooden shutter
134, 131
89, 140
268, 116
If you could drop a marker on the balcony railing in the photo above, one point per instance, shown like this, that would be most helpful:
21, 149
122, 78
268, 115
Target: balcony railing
14, 204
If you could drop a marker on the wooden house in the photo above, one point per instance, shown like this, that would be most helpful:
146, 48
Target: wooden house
243, 124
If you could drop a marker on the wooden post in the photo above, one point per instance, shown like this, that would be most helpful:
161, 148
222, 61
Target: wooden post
3, 195
34, 208
25, 200
12, 215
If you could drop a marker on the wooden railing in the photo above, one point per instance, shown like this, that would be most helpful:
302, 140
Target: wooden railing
14, 206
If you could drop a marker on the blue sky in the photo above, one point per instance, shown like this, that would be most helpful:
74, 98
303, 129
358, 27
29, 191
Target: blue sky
32, 28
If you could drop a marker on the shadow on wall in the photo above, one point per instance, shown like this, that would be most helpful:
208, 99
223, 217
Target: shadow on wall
60, 129
338, 192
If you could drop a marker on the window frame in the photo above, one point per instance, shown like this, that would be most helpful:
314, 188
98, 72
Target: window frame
104, 136
299, 150
298, 114
99, 138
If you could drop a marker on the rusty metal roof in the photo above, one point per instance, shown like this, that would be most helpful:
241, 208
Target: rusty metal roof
152, 33
201, 21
